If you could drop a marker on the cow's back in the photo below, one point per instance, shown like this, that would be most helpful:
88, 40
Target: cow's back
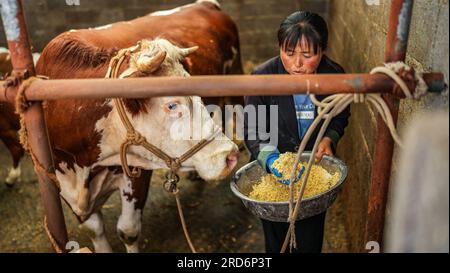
85, 53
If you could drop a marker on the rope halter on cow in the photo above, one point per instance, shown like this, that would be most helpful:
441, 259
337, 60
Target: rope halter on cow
134, 138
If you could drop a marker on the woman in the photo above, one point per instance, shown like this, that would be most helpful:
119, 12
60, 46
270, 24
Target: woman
303, 40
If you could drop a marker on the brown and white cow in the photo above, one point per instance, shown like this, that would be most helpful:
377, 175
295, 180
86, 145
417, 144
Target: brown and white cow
86, 134
9, 122
5, 62
9, 127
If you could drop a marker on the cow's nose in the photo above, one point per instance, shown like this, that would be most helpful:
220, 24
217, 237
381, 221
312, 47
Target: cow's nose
232, 160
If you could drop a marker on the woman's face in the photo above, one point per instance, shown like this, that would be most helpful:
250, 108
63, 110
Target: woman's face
301, 60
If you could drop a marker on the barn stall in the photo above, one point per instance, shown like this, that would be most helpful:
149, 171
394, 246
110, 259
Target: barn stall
241, 231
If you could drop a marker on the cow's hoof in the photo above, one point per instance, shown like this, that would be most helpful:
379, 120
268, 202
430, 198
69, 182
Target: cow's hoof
127, 239
13, 177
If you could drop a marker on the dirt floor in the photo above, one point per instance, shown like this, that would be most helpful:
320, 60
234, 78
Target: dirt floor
216, 219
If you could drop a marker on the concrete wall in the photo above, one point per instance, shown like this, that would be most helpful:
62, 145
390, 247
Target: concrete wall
357, 41
257, 20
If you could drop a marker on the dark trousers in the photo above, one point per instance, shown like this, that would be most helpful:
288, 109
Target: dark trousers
308, 232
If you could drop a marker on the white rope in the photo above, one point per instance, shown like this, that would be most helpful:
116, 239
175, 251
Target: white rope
330, 107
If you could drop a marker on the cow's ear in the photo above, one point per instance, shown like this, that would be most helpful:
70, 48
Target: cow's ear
187, 51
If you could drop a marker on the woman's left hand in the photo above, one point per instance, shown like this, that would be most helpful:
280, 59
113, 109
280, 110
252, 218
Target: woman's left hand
324, 149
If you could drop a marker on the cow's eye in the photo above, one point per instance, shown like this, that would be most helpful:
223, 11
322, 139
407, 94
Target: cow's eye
172, 106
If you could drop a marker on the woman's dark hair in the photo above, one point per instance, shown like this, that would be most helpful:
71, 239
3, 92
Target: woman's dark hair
303, 24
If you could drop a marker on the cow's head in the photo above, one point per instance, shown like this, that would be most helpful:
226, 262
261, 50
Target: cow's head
173, 124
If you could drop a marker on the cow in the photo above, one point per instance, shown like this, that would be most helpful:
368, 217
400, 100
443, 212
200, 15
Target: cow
9, 122
86, 134
218, 41
9, 127
5, 62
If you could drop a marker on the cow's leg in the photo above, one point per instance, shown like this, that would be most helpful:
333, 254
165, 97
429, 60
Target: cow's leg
12, 144
96, 231
86, 189
133, 193
13, 176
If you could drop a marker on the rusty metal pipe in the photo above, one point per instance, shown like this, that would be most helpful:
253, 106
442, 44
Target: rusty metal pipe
21, 58
16, 34
396, 45
40, 146
210, 86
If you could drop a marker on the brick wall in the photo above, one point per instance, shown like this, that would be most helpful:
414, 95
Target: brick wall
357, 41
257, 20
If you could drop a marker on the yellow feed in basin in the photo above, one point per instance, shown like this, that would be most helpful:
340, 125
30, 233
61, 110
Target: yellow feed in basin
268, 189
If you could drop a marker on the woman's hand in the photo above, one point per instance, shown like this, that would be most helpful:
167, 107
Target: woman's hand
324, 148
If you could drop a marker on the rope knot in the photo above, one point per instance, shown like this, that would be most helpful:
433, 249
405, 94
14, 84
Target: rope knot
22, 104
406, 77
135, 137
174, 164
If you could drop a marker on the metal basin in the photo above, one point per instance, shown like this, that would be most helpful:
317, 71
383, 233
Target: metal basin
242, 182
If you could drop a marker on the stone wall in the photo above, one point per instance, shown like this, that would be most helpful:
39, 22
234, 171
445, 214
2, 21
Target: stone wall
357, 42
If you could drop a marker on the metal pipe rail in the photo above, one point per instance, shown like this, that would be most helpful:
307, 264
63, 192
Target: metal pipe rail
212, 86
